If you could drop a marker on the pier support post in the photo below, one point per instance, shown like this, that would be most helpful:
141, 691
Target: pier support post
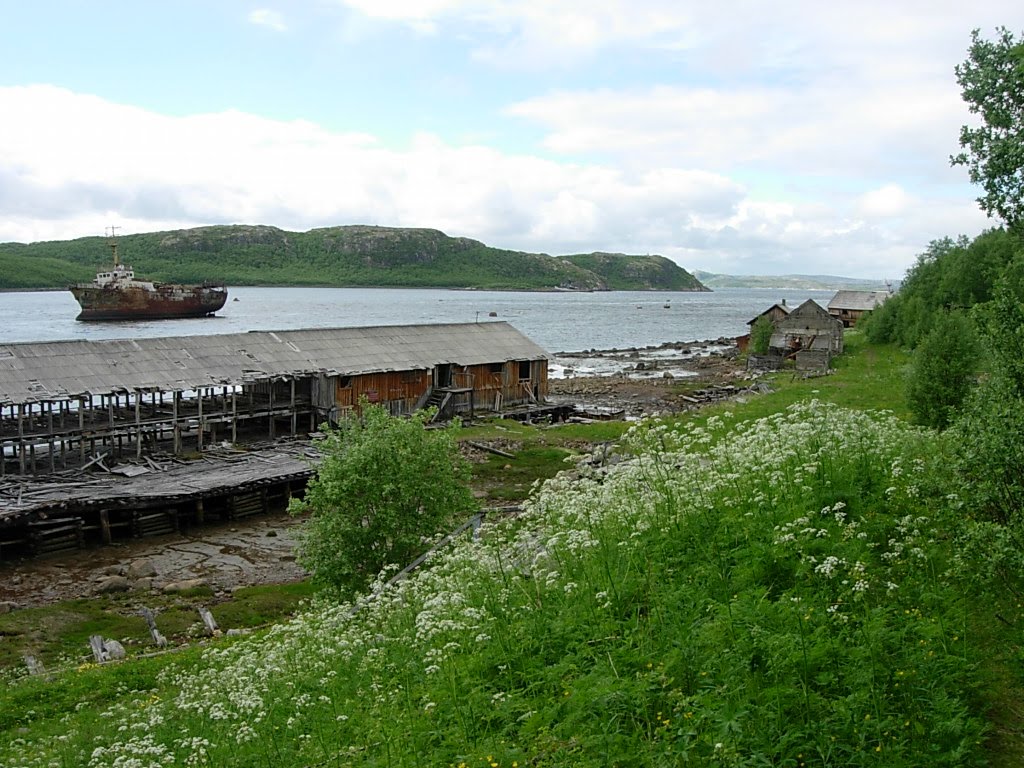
105, 526
21, 438
174, 417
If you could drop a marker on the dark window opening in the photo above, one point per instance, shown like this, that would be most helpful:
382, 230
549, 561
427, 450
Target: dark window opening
496, 367
524, 369
344, 382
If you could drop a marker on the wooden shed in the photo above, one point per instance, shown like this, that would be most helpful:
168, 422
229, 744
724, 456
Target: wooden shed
72, 401
808, 326
850, 306
775, 313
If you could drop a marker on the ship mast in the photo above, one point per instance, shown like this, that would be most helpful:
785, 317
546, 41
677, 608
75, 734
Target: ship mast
112, 234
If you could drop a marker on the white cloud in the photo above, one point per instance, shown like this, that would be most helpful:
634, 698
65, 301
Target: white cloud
724, 38
264, 17
889, 200
70, 154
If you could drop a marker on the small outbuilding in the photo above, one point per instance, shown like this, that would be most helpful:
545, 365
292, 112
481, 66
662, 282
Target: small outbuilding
850, 306
808, 327
775, 313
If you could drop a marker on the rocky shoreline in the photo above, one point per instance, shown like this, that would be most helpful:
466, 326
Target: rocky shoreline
645, 381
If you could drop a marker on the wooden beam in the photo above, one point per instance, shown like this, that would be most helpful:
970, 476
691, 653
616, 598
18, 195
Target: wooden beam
177, 426
138, 424
105, 526
21, 438
199, 439
295, 416
81, 429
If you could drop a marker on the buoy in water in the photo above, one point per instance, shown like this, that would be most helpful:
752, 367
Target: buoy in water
492, 314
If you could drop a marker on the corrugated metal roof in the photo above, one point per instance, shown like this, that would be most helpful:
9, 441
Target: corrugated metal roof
34, 372
857, 300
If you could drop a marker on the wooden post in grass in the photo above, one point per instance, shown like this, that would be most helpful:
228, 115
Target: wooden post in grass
208, 620
35, 666
158, 639
99, 652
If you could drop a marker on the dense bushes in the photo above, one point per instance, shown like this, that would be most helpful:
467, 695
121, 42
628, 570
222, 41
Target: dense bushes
943, 370
383, 486
950, 275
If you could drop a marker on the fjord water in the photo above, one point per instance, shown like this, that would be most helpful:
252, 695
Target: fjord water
559, 322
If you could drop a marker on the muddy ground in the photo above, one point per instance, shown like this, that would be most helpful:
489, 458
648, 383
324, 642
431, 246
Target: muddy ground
632, 382
258, 550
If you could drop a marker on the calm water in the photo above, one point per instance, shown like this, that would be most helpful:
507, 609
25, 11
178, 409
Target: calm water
559, 322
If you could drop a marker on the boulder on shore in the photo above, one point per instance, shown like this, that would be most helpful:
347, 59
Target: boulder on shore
113, 584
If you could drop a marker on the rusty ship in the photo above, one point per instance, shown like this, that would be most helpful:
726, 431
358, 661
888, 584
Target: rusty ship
116, 294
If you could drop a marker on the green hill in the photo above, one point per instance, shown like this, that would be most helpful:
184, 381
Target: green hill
637, 273
336, 256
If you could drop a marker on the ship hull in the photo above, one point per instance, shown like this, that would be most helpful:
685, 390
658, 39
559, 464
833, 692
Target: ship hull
161, 302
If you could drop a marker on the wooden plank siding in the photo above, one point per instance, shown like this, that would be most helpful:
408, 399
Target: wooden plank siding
493, 386
398, 391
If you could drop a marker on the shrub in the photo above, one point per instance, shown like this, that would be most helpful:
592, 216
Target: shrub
989, 452
943, 370
1001, 321
383, 485
761, 335
881, 325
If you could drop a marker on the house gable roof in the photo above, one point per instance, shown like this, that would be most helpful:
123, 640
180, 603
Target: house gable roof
809, 312
785, 310
857, 300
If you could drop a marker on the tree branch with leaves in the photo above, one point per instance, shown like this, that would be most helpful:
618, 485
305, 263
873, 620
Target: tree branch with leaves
992, 83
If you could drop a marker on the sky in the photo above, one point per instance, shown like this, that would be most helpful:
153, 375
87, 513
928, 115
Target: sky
742, 138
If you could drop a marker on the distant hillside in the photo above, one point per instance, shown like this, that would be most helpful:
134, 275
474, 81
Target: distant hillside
637, 273
334, 256
795, 282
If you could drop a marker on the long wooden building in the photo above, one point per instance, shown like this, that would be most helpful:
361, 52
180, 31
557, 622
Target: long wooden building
67, 403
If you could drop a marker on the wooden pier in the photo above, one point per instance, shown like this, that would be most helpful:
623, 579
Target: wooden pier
73, 509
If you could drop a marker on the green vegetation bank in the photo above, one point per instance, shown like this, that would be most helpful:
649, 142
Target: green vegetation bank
793, 582
334, 256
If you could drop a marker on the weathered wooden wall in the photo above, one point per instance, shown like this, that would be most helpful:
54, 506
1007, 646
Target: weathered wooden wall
398, 391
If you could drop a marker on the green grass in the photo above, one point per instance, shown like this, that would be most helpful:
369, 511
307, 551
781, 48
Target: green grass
679, 610
58, 634
505, 479
676, 611
864, 377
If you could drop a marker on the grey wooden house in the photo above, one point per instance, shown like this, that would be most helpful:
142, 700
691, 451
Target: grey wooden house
851, 306
810, 335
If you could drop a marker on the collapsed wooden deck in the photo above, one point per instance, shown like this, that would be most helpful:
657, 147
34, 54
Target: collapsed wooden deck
154, 495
